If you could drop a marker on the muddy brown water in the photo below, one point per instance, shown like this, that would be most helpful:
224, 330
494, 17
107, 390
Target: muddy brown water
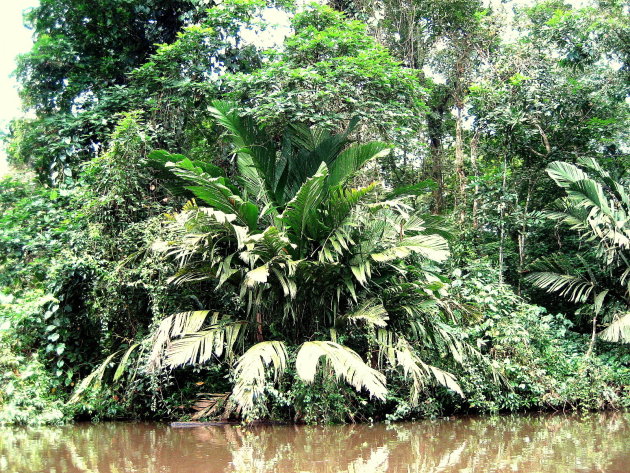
532, 444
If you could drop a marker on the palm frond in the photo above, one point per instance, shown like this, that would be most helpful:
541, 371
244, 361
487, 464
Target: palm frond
250, 143
199, 347
300, 214
346, 364
257, 275
399, 353
354, 158
220, 195
597, 206
94, 377
432, 247
122, 365
618, 330
574, 288
371, 312
251, 372
174, 326
419, 372
564, 174
589, 194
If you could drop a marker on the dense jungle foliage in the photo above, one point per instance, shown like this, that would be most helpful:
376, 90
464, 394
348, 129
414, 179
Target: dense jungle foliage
317, 212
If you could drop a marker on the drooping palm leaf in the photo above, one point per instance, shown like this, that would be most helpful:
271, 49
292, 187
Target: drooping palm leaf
217, 192
399, 353
122, 365
174, 326
618, 331
251, 372
200, 346
94, 377
371, 312
570, 278
346, 365
574, 288
420, 372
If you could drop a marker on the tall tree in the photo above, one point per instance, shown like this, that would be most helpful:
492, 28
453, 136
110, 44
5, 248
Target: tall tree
83, 47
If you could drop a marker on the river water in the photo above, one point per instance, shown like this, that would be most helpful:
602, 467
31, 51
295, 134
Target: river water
532, 444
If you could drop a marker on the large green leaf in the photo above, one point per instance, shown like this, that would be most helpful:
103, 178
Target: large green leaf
253, 146
300, 215
565, 173
353, 159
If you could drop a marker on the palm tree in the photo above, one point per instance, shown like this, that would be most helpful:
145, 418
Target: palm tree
309, 254
597, 206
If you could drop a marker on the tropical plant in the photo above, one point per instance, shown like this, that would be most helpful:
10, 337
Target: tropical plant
597, 206
306, 255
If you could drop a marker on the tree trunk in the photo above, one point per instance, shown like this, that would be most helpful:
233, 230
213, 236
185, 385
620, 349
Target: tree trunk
522, 236
591, 345
459, 164
473, 162
502, 219
435, 125
259, 328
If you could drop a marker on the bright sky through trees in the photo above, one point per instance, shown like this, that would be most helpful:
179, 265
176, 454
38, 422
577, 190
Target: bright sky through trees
15, 39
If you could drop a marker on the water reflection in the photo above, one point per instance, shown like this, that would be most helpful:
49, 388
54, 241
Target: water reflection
592, 443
